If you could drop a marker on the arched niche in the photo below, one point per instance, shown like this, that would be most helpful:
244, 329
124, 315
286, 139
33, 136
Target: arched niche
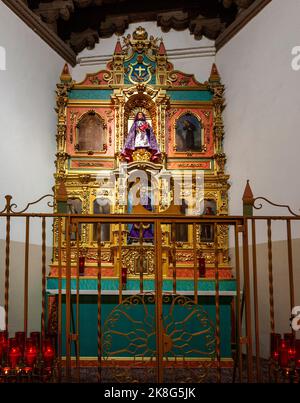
75, 207
207, 229
139, 103
182, 229
189, 133
145, 98
101, 205
91, 133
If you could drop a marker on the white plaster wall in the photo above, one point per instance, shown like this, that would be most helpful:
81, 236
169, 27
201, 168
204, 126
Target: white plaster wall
27, 116
200, 66
263, 103
262, 141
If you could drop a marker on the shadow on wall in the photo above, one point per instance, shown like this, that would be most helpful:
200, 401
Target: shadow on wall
282, 309
16, 281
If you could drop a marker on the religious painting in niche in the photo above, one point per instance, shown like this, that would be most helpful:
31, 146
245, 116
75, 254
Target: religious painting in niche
101, 206
91, 133
188, 133
207, 229
75, 207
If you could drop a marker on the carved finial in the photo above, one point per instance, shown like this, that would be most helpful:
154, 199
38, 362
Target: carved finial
214, 74
248, 200
65, 74
8, 199
248, 194
162, 49
118, 48
140, 34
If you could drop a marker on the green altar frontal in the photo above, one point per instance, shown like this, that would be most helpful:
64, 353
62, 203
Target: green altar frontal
134, 319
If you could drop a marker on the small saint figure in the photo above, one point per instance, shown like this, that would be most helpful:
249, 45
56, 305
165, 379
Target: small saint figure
139, 231
141, 136
186, 137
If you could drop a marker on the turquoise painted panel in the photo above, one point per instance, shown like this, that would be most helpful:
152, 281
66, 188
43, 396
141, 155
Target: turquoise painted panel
190, 95
88, 326
113, 284
140, 70
101, 95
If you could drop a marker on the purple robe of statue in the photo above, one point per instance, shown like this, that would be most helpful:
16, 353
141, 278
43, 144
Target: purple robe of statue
139, 128
147, 232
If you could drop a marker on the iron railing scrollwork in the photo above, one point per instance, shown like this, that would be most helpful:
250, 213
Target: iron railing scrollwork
260, 206
10, 208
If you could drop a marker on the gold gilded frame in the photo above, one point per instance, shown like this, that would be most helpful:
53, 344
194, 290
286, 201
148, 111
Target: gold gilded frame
189, 152
104, 125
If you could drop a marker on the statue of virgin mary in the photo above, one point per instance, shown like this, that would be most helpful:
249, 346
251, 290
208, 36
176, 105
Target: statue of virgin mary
141, 135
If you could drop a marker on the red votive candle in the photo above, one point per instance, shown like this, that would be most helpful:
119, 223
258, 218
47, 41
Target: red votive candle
6, 370
36, 339
3, 344
283, 354
81, 265
297, 359
20, 338
1, 352
14, 356
290, 340
12, 342
3, 335
275, 345
30, 352
48, 352
202, 268
289, 337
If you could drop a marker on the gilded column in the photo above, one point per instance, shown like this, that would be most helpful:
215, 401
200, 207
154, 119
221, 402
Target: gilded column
61, 108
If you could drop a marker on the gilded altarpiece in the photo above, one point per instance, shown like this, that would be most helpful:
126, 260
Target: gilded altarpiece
141, 116
94, 117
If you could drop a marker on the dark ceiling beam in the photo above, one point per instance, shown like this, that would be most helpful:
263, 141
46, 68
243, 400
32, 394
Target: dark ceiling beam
21, 9
241, 20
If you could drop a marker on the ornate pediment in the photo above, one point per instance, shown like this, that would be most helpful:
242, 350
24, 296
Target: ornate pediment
140, 62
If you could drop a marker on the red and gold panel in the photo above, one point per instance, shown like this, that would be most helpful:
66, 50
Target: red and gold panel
102, 77
197, 123
75, 115
189, 165
91, 164
180, 79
